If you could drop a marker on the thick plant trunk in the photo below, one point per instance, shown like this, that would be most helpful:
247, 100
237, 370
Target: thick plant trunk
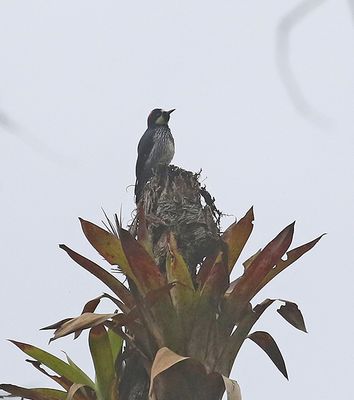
174, 201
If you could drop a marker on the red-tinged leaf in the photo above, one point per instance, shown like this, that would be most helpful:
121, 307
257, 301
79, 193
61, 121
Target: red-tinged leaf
231, 287
142, 231
84, 321
114, 284
248, 284
291, 313
206, 267
34, 394
267, 343
102, 357
147, 273
234, 240
291, 257
106, 244
117, 302
55, 364
157, 295
203, 342
217, 283
236, 237
250, 260
65, 383
89, 307
235, 341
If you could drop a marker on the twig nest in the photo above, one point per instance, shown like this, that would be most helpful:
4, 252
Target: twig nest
174, 201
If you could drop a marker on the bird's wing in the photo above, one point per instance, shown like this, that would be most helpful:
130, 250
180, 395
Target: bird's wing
144, 148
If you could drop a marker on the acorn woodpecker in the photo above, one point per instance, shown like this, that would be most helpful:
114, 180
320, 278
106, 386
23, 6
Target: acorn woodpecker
156, 147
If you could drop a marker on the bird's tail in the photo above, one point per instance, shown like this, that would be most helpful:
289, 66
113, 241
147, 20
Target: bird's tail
139, 186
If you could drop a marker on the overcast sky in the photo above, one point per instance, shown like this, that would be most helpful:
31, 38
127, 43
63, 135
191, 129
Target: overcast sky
77, 81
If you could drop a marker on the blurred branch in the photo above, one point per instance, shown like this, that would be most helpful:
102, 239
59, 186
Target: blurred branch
283, 50
351, 7
30, 140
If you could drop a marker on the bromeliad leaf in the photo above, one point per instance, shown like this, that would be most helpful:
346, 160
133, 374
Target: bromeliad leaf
116, 343
248, 285
291, 313
114, 284
103, 362
84, 321
235, 341
147, 273
232, 389
142, 230
74, 392
182, 293
65, 383
34, 394
234, 240
267, 343
55, 364
107, 244
236, 236
291, 257
164, 359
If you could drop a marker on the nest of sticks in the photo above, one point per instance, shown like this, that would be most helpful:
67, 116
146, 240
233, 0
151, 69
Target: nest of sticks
174, 200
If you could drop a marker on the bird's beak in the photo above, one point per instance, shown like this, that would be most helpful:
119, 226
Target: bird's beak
171, 111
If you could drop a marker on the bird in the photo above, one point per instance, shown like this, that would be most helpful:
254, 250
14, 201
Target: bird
156, 147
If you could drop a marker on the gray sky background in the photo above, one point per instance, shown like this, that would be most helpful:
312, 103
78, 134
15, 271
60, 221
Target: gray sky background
78, 78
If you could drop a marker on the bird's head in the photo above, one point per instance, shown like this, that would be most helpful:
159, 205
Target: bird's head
159, 117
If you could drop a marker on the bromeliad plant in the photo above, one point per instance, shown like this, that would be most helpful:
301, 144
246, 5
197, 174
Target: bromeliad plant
185, 331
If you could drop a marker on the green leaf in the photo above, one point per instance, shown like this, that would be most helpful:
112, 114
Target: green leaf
268, 344
101, 352
116, 344
74, 366
34, 394
107, 244
114, 284
183, 292
55, 364
234, 239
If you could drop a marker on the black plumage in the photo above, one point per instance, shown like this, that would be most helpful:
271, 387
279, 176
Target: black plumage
156, 147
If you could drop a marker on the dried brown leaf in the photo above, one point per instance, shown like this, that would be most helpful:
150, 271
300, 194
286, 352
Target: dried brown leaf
84, 321
164, 359
233, 390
